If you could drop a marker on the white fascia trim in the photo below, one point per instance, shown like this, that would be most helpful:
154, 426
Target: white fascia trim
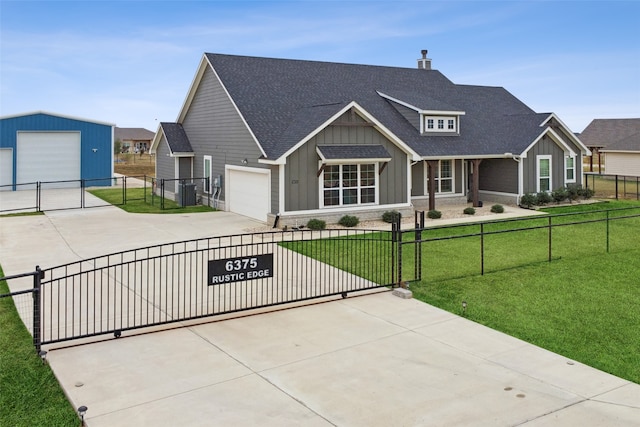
204, 63
570, 135
178, 154
362, 113
341, 209
420, 111
63, 116
555, 137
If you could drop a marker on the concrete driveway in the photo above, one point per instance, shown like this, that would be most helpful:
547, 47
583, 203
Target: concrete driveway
374, 360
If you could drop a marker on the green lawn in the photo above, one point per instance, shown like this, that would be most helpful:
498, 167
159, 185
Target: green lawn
136, 202
31, 395
583, 304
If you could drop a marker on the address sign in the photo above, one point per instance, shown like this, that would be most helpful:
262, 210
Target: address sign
239, 269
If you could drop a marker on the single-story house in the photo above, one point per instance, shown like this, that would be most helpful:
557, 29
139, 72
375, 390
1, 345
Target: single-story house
619, 141
304, 139
133, 139
48, 147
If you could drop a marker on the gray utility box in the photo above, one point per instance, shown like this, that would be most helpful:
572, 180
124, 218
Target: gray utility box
186, 194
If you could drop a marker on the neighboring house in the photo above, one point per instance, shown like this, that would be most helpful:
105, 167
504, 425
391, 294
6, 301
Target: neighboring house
305, 139
619, 141
46, 147
134, 139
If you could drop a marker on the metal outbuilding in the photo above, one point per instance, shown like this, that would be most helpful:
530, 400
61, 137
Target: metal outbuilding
50, 147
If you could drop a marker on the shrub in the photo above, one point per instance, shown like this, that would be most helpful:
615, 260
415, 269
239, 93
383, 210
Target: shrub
316, 224
497, 209
559, 195
469, 211
528, 200
573, 191
434, 214
586, 193
543, 198
349, 221
390, 216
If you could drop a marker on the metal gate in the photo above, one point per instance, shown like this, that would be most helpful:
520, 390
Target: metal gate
195, 279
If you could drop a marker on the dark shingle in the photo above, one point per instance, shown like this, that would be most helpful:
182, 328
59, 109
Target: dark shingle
275, 95
335, 152
176, 138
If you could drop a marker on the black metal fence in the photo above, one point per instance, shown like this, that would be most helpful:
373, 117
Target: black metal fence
27, 302
195, 279
185, 192
613, 186
463, 250
43, 196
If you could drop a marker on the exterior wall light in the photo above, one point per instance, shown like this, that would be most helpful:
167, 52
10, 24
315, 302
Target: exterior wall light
245, 161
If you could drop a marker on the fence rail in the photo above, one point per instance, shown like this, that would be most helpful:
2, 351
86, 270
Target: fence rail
171, 283
43, 196
439, 253
613, 186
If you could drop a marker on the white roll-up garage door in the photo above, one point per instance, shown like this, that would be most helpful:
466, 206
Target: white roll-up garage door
6, 169
248, 192
48, 156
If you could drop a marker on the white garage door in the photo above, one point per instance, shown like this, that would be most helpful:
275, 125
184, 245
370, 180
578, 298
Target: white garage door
48, 156
6, 169
248, 193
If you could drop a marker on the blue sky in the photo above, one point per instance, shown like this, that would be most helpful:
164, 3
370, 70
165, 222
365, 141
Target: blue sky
131, 63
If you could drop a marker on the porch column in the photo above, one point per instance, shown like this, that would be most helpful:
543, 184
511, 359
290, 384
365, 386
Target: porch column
432, 167
475, 185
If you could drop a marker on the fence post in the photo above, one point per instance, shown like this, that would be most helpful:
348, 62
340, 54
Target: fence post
124, 190
83, 185
38, 275
482, 248
162, 194
550, 238
38, 189
607, 231
616, 187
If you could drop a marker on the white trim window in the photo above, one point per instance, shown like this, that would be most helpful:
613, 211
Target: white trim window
570, 169
445, 182
543, 173
207, 166
349, 185
440, 124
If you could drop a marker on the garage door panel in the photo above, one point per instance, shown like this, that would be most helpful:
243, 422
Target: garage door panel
6, 169
249, 193
49, 156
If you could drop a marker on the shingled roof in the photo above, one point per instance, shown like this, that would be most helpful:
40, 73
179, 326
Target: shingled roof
176, 137
285, 100
609, 133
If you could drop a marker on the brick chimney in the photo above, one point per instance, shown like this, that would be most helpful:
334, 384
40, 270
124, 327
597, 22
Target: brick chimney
424, 63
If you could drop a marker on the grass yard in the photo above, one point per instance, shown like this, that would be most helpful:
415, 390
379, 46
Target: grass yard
136, 203
31, 395
131, 164
582, 305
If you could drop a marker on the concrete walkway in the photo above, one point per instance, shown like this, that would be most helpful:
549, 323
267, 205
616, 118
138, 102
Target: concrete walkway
373, 360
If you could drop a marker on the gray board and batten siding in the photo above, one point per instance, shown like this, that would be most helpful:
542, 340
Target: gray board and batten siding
499, 175
215, 128
547, 146
165, 164
302, 186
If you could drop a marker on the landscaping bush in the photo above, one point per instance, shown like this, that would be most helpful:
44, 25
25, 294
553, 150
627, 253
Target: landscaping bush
559, 195
586, 193
573, 191
349, 221
390, 216
434, 214
469, 211
497, 209
543, 198
316, 224
528, 200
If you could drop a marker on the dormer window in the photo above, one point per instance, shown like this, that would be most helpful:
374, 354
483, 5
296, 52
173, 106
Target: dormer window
440, 124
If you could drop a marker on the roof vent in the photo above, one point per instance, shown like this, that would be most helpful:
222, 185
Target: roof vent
424, 63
